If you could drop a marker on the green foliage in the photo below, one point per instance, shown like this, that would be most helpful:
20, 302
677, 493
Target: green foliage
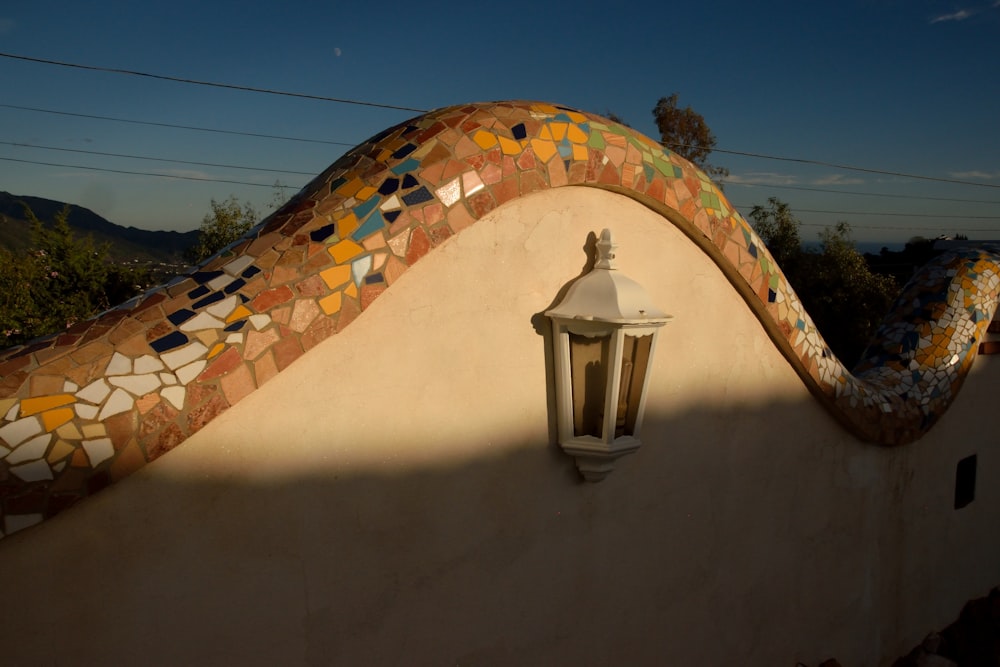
228, 221
780, 231
846, 300
59, 281
685, 132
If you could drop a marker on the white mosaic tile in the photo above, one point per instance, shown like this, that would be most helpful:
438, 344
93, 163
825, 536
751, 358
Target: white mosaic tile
174, 359
35, 471
174, 395
185, 374
202, 321
238, 265
98, 450
119, 365
84, 411
138, 385
95, 392
147, 363
119, 401
17, 432
32, 449
223, 308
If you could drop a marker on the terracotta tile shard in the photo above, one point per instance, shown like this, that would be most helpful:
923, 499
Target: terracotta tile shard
286, 351
264, 369
272, 297
129, 459
226, 362
305, 312
532, 181
526, 160
167, 439
237, 385
200, 416
257, 342
158, 331
126, 329
146, 403
317, 332
419, 245
369, 293
121, 428
348, 312
312, 286
482, 203
17, 363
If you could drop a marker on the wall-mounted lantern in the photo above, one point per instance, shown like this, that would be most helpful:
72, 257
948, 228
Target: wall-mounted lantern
604, 333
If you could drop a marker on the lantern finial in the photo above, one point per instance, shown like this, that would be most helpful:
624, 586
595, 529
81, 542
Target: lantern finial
606, 251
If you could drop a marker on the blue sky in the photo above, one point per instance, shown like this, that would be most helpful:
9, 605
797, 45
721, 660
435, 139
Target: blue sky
899, 86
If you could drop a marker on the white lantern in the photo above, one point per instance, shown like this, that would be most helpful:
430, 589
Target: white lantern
604, 333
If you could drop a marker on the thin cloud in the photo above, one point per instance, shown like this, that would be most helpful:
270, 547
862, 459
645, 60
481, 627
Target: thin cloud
837, 179
761, 178
979, 175
960, 15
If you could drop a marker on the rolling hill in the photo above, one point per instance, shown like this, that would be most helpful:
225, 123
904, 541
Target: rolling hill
124, 243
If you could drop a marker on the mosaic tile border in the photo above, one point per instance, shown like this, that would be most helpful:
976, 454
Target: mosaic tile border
87, 407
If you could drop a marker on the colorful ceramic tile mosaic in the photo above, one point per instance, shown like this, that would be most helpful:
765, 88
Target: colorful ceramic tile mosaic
89, 406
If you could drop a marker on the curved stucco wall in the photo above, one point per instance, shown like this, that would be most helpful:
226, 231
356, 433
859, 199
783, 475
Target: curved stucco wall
397, 497
87, 407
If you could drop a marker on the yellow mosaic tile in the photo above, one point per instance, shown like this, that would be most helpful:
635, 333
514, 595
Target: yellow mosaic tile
239, 313
336, 276
32, 406
345, 250
485, 140
331, 304
509, 146
544, 150
53, 419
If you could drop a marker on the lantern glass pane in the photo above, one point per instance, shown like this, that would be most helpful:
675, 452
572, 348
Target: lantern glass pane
635, 363
589, 359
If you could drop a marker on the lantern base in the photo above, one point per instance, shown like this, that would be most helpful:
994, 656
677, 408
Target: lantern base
595, 459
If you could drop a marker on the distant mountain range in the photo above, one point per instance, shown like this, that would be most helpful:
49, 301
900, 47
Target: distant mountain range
124, 243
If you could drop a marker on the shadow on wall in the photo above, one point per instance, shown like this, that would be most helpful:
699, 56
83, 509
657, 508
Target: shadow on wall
731, 547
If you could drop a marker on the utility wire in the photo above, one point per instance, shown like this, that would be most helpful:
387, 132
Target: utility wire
156, 159
843, 166
862, 194
138, 173
901, 215
180, 127
212, 84
197, 82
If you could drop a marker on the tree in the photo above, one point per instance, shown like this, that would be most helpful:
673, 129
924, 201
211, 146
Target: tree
59, 281
845, 298
779, 230
685, 132
228, 221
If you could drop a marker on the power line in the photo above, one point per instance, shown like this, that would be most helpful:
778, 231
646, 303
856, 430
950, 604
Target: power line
843, 166
862, 194
197, 82
180, 127
137, 173
156, 159
212, 84
901, 215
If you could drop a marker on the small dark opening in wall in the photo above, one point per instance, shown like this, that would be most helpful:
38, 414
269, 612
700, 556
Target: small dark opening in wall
965, 482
